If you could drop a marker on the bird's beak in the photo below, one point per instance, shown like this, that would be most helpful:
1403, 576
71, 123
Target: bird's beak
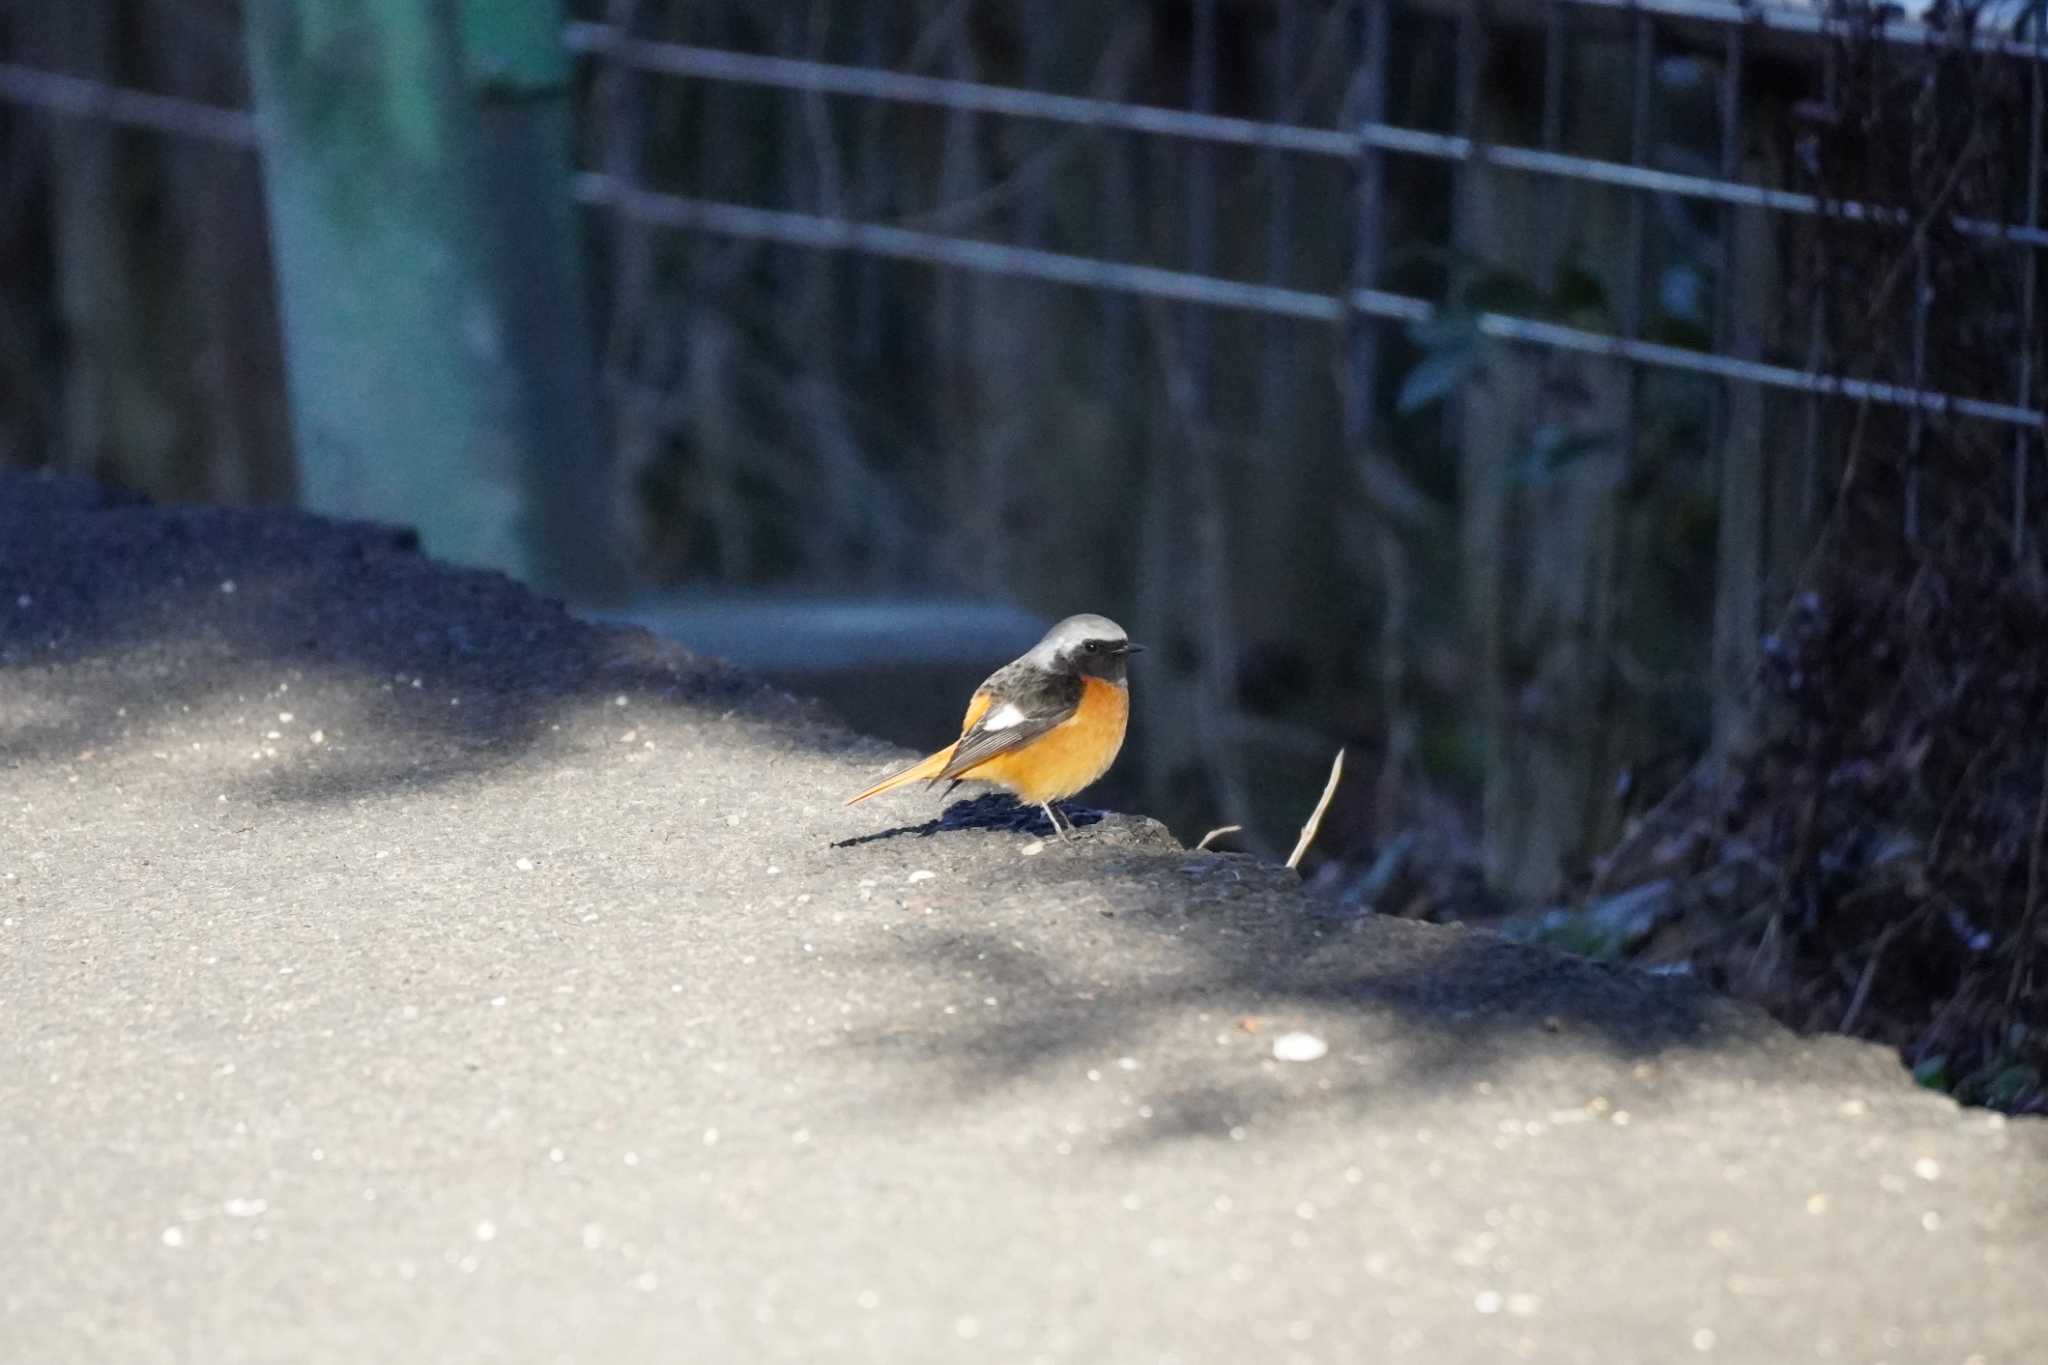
1133, 647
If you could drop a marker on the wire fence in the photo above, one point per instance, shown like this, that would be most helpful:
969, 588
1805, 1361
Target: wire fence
1366, 140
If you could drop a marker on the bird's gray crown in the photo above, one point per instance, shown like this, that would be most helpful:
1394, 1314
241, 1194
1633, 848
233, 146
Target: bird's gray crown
1065, 637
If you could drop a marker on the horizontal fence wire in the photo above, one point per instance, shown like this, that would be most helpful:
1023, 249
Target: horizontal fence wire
78, 97
811, 231
1820, 18
802, 76
83, 98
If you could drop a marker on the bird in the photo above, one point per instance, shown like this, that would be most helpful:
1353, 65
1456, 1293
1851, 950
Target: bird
1043, 726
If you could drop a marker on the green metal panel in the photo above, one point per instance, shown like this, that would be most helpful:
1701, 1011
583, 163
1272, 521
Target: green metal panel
416, 166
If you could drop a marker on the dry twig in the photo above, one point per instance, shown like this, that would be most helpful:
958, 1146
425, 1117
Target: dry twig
1315, 819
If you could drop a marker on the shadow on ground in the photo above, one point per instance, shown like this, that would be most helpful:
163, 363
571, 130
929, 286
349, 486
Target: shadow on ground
1149, 938
996, 811
467, 668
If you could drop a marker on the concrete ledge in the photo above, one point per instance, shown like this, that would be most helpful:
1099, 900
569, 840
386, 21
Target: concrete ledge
393, 967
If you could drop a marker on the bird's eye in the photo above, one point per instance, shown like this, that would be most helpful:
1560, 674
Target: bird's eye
1093, 646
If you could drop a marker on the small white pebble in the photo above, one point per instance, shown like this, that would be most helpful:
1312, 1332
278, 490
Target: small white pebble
647, 1282
319, 736
1032, 849
967, 1328
619, 700
284, 718
1487, 1301
593, 1236
487, 1231
1816, 1203
1523, 1305
1927, 1168
921, 875
1703, 1339
1299, 1047
174, 1237
1127, 1063
243, 1207
524, 864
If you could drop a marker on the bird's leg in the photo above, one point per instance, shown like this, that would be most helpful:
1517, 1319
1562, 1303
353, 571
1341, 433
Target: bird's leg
1059, 826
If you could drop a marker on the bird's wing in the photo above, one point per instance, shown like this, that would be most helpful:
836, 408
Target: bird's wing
1021, 705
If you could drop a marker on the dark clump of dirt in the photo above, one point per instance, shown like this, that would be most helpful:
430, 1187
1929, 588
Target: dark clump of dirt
1874, 862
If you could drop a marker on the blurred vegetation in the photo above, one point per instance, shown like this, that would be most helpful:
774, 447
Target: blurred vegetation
1533, 592
138, 319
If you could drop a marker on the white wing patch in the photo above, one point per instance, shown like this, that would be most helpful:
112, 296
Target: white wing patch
1003, 717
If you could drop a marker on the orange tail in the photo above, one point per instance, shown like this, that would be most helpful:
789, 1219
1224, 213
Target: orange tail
923, 769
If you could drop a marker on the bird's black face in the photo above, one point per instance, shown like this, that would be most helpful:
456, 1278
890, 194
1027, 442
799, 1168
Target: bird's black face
1100, 658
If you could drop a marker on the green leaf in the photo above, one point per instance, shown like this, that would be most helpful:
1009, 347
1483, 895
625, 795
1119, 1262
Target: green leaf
2008, 1085
1502, 291
1578, 294
1448, 328
1435, 376
1552, 447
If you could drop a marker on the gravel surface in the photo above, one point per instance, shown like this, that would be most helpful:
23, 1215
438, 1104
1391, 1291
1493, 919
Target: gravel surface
393, 968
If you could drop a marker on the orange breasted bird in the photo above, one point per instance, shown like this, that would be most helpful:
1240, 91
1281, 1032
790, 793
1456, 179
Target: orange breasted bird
1042, 726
